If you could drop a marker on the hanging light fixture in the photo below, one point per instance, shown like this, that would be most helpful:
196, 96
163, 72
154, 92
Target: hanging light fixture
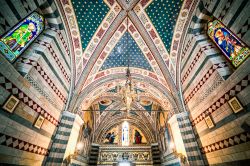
128, 92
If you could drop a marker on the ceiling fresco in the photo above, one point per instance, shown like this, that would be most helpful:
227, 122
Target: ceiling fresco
126, 49
89, 14
110, 34
163, 14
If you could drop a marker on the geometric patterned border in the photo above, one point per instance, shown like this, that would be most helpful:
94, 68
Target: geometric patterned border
231, 141
225, 9
204, 79
52, 52
222, 100
142, 15
62, 39
41, 91
9, 86
110, 45
40, 70
13, 142
187, 47
80, 58
196, 58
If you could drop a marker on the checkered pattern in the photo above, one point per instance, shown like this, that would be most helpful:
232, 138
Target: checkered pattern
222, 100
204, 79
208, 2
13, 142
9, 86
51, 50
225, 9
4, 23
244, 28
44, 75
40, 90
26, 6
62, 39
198, 55
226, 143
187, 46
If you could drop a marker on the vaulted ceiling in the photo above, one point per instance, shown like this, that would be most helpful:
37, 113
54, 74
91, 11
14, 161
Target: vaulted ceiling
89, 16
163, 14
115, 33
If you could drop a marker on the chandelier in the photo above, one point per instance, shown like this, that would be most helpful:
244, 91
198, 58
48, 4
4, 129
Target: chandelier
128, 92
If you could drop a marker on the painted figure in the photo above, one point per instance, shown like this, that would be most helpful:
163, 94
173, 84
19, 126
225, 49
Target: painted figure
87, 130
108, 136
138, 137
20, 37
111, 137
232, 47
228, 43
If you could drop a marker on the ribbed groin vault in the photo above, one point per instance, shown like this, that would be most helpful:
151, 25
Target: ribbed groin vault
125, 82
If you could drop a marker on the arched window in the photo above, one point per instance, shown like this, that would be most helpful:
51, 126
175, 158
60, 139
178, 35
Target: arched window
231, 46
21, 36
125, 134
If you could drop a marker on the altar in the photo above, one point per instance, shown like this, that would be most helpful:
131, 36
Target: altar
124, 156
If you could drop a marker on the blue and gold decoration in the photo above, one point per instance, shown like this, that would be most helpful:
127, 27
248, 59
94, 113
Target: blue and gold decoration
163, 14
103, 104
147, 105
231, 46
89, 14
126, 49
21, 36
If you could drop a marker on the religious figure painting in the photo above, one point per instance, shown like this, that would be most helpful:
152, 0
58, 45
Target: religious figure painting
138, 137
86, 130
234, 49
21, 36
111, 137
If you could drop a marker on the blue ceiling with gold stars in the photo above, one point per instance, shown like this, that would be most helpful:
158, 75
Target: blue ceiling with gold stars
125, 49
89, 14
163, 14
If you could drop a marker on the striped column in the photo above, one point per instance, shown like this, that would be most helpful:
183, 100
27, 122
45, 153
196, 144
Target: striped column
65, 140
184, 138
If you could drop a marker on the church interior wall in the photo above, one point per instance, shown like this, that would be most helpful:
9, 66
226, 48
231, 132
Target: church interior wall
209, 81
39, 78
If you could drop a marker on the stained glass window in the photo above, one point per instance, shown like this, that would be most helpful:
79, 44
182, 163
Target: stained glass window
231, 46
125, 134
21, 36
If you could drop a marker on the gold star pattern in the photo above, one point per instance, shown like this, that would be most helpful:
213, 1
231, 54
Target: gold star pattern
126, 49
163, 14
89, 14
